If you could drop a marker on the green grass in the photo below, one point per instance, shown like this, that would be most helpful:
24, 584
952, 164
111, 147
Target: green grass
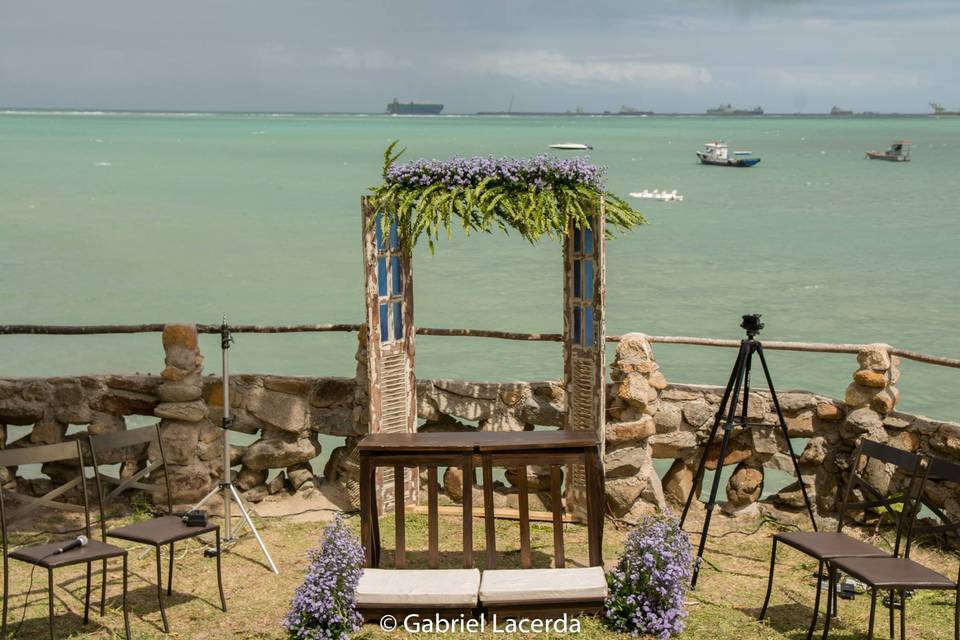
724, 606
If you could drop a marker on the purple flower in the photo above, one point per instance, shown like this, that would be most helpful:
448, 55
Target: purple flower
324, 607
648, 587
542, 172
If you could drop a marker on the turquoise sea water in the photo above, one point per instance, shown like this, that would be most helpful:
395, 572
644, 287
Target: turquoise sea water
139, 218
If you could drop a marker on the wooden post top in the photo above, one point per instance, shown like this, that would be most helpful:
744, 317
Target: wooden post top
476, 441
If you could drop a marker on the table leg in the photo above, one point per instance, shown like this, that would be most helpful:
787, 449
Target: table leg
366, 529
468, 511
488, 519
374, 515
596, 498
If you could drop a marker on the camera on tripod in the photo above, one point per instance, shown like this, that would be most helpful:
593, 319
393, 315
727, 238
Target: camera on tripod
751, 324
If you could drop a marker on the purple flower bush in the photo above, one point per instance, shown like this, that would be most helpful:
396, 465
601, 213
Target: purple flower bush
540, 172
324, 607
648, 586
539, 196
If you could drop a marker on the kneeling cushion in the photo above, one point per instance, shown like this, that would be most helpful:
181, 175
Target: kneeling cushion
418, 587
543, 585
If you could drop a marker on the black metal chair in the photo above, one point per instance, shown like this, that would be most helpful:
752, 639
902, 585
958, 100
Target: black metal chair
826, 546
899, 574
164, 529
49, 556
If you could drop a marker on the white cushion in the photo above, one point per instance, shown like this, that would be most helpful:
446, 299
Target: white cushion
418, 587
549, 585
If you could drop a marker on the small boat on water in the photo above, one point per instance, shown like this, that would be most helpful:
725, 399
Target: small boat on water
656, 194
571, 146
899, 151
718, 153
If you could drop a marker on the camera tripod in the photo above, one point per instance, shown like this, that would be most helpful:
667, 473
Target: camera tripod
727, 417
226, 489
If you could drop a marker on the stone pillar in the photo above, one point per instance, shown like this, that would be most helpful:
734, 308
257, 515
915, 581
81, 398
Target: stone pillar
872, 394
633, 486
192, 444
869, 399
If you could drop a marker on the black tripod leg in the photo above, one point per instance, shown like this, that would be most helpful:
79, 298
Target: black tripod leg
711, 502
715, 486
701, 466
786, 435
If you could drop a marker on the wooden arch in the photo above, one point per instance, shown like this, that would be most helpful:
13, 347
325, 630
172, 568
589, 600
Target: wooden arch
391, 344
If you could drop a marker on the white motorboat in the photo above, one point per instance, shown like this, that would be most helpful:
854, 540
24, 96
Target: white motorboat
571, 146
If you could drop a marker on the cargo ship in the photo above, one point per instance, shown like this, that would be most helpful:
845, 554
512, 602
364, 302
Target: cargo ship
414, 108
728, 110
837, 111
938, 110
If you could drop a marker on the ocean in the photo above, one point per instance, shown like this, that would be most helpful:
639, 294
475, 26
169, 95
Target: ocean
129, 218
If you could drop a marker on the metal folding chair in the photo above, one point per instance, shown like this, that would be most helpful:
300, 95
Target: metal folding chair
897, 575
49, 556
826, 546
163, 529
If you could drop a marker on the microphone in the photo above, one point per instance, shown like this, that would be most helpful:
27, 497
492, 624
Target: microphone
81, 541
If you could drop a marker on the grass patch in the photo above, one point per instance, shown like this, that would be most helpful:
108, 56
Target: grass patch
724, 606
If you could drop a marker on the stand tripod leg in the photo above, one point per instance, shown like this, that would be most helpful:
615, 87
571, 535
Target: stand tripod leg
213, 492
711, 503
740, 375
701, 466
253, 529
786, 435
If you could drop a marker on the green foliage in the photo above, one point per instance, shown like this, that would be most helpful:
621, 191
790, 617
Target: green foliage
426, 205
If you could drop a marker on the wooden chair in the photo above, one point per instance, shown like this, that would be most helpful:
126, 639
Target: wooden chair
827, 546
159, 531
899, 574
48, 555
541, 593
448, 593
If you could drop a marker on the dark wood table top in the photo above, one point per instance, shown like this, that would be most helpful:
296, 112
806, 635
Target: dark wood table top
456, 442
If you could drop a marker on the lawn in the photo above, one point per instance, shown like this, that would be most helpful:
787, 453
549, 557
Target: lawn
724, 606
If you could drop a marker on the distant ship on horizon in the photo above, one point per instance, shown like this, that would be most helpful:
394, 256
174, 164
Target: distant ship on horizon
938, 110
837, 111
414, 108
728, 110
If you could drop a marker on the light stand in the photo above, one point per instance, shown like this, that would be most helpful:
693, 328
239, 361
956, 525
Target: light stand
225, 488
739, 377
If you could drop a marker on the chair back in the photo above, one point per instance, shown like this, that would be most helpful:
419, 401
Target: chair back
944, 471
911, 464
121, 440
68, 452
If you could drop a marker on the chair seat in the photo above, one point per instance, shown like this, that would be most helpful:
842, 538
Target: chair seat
159, 531
418, 587
826, 545
42, 555
517, 586
893, 572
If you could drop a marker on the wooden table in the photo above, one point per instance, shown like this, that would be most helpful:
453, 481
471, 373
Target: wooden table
459, 449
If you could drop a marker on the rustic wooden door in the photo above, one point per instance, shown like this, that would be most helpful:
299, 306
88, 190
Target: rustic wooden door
584, 343
390, 341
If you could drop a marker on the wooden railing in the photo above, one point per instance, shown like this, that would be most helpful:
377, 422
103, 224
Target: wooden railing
817, 347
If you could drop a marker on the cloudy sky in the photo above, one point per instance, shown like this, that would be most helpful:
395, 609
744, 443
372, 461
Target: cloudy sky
355, 55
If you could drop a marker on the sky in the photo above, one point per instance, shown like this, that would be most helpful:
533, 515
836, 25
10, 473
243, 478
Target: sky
557, 55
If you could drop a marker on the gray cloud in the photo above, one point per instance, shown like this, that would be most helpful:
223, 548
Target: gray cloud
354, 56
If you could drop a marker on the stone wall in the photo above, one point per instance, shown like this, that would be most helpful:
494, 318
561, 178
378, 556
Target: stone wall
648, 419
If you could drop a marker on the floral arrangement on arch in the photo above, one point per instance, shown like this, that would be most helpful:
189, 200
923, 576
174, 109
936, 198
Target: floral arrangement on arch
648, 587
539, 196
324, 607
